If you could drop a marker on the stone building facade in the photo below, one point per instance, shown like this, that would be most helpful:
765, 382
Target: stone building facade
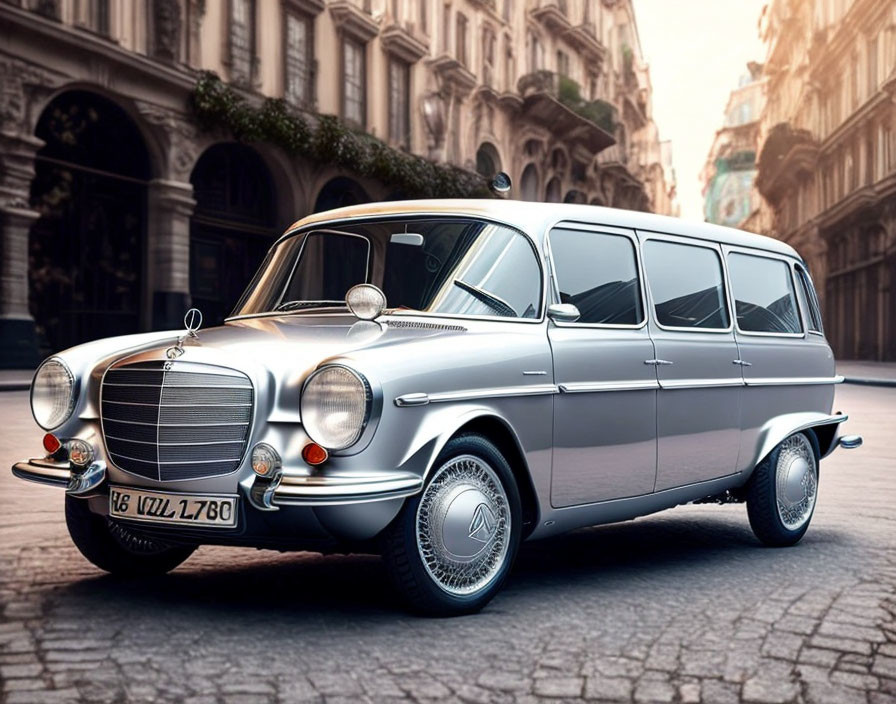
117, 210
729, 197
827, 159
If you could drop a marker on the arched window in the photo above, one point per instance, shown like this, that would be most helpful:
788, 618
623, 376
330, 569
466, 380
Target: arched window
529, 183
233, 225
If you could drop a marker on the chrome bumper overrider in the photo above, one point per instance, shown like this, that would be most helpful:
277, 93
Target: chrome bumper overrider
48, 471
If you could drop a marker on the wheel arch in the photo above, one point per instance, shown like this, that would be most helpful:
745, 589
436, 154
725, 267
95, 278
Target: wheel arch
497, 431
822, 426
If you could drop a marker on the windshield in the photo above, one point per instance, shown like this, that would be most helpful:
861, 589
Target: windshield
456, 266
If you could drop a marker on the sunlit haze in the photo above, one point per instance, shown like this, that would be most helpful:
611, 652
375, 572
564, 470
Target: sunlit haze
697, 51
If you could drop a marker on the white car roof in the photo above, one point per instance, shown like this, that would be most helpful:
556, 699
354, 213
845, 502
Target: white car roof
535, 218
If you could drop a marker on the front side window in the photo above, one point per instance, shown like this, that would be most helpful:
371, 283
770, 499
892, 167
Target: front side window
298, 59
764, 299
598, 274
399, 103
456, 266
687, 285
354, 98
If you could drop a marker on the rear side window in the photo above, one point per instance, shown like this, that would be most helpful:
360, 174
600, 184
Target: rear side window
811, 298
598, 274
764, 299
687, 285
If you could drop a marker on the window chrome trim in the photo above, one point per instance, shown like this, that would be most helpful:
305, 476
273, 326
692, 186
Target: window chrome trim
421, 215
295, 265
423, 399
794, 380
628, 234
788, 262
716, 247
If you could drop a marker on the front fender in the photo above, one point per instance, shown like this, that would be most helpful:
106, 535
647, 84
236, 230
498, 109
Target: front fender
438, 427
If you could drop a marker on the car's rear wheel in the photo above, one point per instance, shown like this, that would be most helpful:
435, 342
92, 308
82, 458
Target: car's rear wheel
117, 549
451, 547
782, 492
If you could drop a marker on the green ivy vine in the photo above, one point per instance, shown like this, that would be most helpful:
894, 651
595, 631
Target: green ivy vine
327, 139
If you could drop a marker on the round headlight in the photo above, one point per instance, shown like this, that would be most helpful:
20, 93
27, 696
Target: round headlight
52, 394
335, 407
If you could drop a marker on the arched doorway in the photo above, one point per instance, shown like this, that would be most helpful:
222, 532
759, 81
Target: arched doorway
86, 249
553, 191
339, 192
232, 226
488, 161
529, 183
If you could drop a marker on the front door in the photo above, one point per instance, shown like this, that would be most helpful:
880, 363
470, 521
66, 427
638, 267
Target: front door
605, 413
698, 404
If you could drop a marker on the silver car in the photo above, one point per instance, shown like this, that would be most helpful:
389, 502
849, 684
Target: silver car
440, 380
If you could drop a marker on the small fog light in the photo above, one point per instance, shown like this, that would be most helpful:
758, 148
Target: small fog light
265, 460
314, 454
80, 452
51, 444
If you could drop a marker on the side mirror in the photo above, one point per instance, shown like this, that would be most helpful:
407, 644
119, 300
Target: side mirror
563, 313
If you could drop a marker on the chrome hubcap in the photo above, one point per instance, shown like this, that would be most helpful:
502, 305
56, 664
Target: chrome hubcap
796, 481
463, 526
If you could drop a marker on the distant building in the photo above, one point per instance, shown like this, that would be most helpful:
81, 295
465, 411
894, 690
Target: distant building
117, 210
728, 194
827, 159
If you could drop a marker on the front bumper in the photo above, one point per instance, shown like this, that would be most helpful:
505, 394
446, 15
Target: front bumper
287, 489
46, 470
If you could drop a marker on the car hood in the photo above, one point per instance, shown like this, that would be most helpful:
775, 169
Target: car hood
279, 351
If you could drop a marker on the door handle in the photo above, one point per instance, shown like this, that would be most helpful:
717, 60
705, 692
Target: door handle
658, 362
742, 363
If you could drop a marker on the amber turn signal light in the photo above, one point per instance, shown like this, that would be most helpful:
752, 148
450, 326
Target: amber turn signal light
314, 454
51, 443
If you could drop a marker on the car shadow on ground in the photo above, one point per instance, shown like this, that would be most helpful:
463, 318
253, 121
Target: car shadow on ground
296, 585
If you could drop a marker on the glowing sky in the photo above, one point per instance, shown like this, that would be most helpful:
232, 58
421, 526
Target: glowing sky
697, 51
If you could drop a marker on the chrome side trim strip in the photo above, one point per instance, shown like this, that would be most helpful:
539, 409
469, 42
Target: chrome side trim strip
794, 380
700, 383
584, 387
422, 399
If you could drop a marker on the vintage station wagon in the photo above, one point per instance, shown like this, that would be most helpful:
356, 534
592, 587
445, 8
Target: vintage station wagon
440, 380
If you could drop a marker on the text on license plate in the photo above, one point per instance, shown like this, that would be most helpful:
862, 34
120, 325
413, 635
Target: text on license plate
162, 507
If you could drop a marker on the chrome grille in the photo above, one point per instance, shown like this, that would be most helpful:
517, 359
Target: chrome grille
186, 422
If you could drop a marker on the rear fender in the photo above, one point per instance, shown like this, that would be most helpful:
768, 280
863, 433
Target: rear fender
777, 429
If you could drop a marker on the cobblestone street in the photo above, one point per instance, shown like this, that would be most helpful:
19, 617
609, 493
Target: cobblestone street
683, 606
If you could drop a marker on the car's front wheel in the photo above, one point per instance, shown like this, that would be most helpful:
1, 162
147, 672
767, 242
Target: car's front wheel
117, 549
451, 547
781, 493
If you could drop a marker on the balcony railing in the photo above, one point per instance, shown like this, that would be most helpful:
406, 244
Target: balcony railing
566, 91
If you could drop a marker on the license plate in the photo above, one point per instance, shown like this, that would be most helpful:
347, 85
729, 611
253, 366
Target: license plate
180, 509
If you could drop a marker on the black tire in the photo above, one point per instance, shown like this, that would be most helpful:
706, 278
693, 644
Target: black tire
115, 548
762, 497
420, 590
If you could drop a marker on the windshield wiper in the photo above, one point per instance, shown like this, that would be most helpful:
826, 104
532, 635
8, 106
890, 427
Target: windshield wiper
489, 299
296, 305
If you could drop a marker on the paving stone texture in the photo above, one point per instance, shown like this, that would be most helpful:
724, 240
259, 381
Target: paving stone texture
682, 606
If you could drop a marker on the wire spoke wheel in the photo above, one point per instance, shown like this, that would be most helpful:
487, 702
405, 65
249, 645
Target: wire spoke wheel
796, 481
463, 526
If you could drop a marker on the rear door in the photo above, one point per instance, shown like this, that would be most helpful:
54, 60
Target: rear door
698, 403
787, 364
605, 413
